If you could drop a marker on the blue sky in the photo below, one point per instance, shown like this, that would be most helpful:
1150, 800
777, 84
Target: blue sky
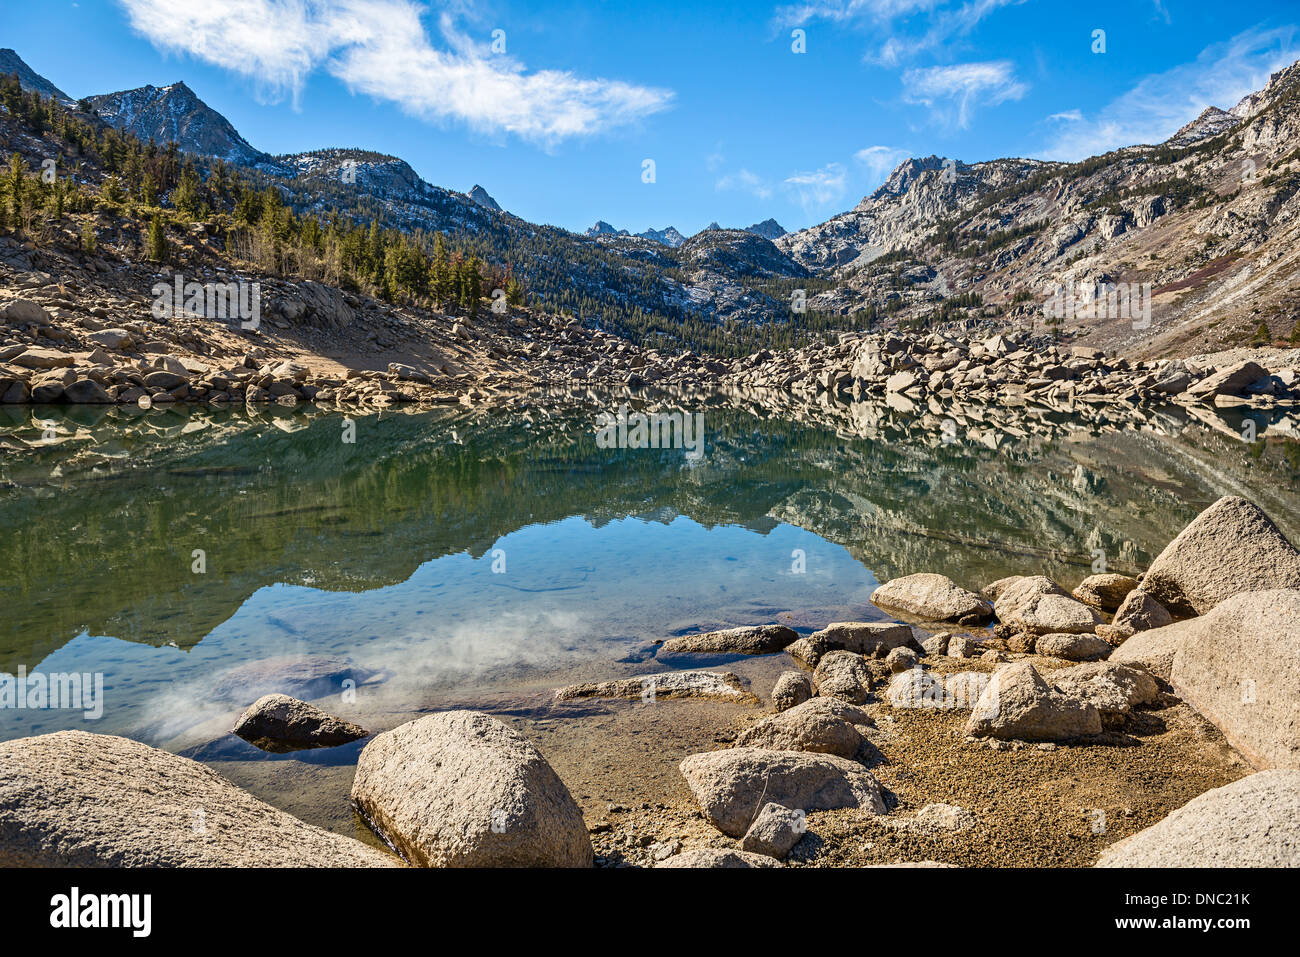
558, 125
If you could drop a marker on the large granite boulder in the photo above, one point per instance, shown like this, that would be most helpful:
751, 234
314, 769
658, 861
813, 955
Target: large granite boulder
1038, 605
1106, 590
1114, 690
1154, 650
731, 786
935, 597
76, 799
1019, 705
1240, 667
1231, 547
1254, 822
460, 789
822, 725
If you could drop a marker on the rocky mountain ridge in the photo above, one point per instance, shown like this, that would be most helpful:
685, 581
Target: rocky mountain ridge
1203, 227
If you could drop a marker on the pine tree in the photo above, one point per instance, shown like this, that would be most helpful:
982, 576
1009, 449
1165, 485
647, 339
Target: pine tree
157, 239
186, 195
17, 188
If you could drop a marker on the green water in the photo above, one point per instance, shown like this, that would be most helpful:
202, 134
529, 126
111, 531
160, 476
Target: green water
463, 556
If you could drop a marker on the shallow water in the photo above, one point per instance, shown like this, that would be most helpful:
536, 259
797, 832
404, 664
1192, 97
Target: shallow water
462, 557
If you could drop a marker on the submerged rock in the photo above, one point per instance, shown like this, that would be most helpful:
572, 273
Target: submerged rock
722, 685
729, 785
1019, 705
1254, 822
76, 799
1231, 547
309, 676
460, 789
1240, 667
276, 722
935, 597
753, 640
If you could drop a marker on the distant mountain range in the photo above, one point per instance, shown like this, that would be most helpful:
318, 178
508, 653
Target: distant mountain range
768, 229
1208, 220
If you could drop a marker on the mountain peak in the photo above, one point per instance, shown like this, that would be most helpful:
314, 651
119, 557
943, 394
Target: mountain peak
11, 64
175, 113
768, 229
480, 196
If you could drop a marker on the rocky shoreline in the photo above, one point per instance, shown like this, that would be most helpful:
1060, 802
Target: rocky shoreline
1192, 663
90, 337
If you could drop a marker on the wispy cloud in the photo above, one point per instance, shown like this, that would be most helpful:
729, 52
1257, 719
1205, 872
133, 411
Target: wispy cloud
1160, 104
953, 93
845, 11
381, 48
908, 27
743, 179
818, 189
879, 161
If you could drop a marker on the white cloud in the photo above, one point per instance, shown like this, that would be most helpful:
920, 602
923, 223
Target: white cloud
909, 27
1160, 104
1068, 116
962, 87
845, 11
743, 179
380, 48
880, 161
818, 189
